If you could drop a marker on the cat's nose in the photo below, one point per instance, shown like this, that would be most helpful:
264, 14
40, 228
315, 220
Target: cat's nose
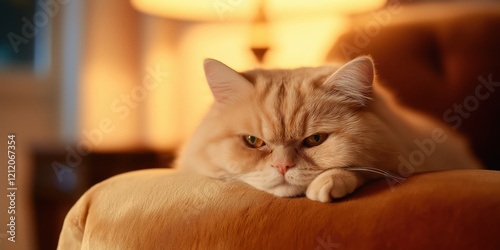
283, 166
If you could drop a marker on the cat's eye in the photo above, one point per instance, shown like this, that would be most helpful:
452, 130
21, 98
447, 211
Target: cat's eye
315, 139
253, 142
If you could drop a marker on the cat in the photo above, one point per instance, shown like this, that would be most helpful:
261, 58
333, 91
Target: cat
321, 131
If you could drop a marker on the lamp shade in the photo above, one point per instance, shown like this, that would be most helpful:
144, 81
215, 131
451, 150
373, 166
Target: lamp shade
244, 10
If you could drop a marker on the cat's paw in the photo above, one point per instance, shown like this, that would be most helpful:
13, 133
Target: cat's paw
333, 184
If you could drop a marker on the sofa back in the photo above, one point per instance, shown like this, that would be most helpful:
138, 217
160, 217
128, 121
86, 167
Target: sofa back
438, 58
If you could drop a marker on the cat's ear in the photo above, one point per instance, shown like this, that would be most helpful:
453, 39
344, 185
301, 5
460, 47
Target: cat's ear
224, 82
354, 80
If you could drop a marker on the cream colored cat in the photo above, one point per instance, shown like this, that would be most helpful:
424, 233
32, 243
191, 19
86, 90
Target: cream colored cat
320, 131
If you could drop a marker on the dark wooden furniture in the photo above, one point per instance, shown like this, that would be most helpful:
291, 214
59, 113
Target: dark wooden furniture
57, 183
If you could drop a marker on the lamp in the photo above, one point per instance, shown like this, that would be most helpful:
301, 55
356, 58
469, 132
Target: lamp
264, 15
242, 33
245, 10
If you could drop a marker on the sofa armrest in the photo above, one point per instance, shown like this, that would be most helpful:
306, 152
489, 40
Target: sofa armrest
166, 209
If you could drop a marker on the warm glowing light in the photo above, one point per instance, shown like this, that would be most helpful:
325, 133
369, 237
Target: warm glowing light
303, 42
245, 10
229, 44
163, 114
199, 10
294, 33
109, 107
299, 8
104, 125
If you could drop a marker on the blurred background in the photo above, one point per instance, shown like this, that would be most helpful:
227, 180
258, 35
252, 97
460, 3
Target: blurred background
96, 88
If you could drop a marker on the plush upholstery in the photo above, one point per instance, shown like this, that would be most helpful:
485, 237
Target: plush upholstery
431, 56
164, 209
432, 59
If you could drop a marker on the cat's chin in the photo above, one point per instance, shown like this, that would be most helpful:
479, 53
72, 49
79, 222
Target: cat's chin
286, 190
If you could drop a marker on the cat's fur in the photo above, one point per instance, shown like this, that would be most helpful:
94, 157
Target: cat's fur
366, 129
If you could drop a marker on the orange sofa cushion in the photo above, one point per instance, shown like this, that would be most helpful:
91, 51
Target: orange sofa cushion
166, 209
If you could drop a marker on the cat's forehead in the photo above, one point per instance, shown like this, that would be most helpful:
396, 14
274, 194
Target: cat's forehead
288, 105
304, 75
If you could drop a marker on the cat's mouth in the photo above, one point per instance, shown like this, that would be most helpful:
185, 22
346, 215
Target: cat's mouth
284, 181
286, 189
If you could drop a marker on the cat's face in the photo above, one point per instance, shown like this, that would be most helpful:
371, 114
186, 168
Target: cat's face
278, 129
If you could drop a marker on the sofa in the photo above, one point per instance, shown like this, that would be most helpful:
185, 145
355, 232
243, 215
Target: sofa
432, 57
441, 59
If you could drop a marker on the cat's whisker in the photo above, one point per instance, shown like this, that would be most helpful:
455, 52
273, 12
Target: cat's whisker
387, 174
